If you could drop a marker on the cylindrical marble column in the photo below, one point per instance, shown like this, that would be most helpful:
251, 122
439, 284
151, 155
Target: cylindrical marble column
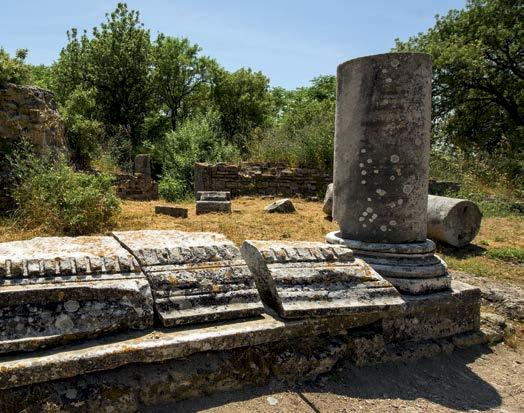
382, 138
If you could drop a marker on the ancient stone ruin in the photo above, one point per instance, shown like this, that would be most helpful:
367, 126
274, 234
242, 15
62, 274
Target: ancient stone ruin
380, 186
147, 317
213, 201
139, 185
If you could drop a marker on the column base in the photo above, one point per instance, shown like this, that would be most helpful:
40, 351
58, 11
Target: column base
413, 268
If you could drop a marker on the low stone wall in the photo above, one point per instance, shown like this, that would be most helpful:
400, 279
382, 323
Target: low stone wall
261, 179
139, 185
249, 178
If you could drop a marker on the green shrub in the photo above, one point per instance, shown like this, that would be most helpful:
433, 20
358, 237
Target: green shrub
52, 195
172, 189
13, 70
303, 137
196, 140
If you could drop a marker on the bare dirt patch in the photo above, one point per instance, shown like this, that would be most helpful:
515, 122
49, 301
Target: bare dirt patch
478, 379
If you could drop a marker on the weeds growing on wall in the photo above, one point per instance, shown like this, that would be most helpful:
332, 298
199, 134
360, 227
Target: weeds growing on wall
50, 194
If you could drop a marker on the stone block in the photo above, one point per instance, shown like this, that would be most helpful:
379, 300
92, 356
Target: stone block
308, 279
54, 290
282, 206
195, 276
171, 211
205, 207
213, 196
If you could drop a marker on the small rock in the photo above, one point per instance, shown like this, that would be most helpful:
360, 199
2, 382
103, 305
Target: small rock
327, 208
71, 306
272, 401
284, 206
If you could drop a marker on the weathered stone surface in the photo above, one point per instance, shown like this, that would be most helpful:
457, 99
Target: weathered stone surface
453, 221
54, 290
30, 112
382, 137
327, 207
138, 186
147, 368
206, 207
413, 268
171, 211
213, 201
143, 165
305, 279
261, 178
282, 206
195, 276
213, 196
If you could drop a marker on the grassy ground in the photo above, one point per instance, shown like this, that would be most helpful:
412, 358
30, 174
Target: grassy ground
498, 250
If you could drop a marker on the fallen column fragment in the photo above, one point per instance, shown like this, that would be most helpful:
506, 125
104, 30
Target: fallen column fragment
305, 279
453, 221
195, 276
54, 290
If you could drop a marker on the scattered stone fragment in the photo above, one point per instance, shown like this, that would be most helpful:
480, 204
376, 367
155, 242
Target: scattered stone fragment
272, 401
307, 279
282, 206
453, 221
54, 290
213, 201
327, 208
195, 276
176, 212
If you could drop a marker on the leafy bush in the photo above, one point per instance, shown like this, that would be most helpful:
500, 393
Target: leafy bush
13, 70
84, 133
196, 140
51, 194
303, 137
172, 189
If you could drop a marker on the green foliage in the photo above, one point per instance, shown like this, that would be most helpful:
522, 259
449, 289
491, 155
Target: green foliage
243, 102
194, 141
179, 76
172, 189
13, 70
304, 127
508, 254
114, 66
84, 132
51, 194
41, 76
478, 82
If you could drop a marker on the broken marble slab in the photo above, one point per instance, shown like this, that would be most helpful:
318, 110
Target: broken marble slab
195, 276
58, 289
305, 279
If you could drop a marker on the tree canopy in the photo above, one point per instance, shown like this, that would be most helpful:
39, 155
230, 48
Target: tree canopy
478, 75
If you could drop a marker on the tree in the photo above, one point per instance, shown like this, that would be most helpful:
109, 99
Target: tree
244, 103
178, 75
478, 75
118, 59
13, 70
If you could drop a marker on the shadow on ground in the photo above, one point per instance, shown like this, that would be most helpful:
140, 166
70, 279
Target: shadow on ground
445, 380
470, 250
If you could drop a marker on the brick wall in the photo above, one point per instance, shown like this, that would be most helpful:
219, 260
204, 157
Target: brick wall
261, 179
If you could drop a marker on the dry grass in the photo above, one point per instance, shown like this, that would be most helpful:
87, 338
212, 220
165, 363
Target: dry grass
248, 221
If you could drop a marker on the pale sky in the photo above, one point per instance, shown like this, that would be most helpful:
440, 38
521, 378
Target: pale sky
289, 41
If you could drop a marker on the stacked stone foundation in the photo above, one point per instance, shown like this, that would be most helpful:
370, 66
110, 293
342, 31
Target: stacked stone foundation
194, 323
